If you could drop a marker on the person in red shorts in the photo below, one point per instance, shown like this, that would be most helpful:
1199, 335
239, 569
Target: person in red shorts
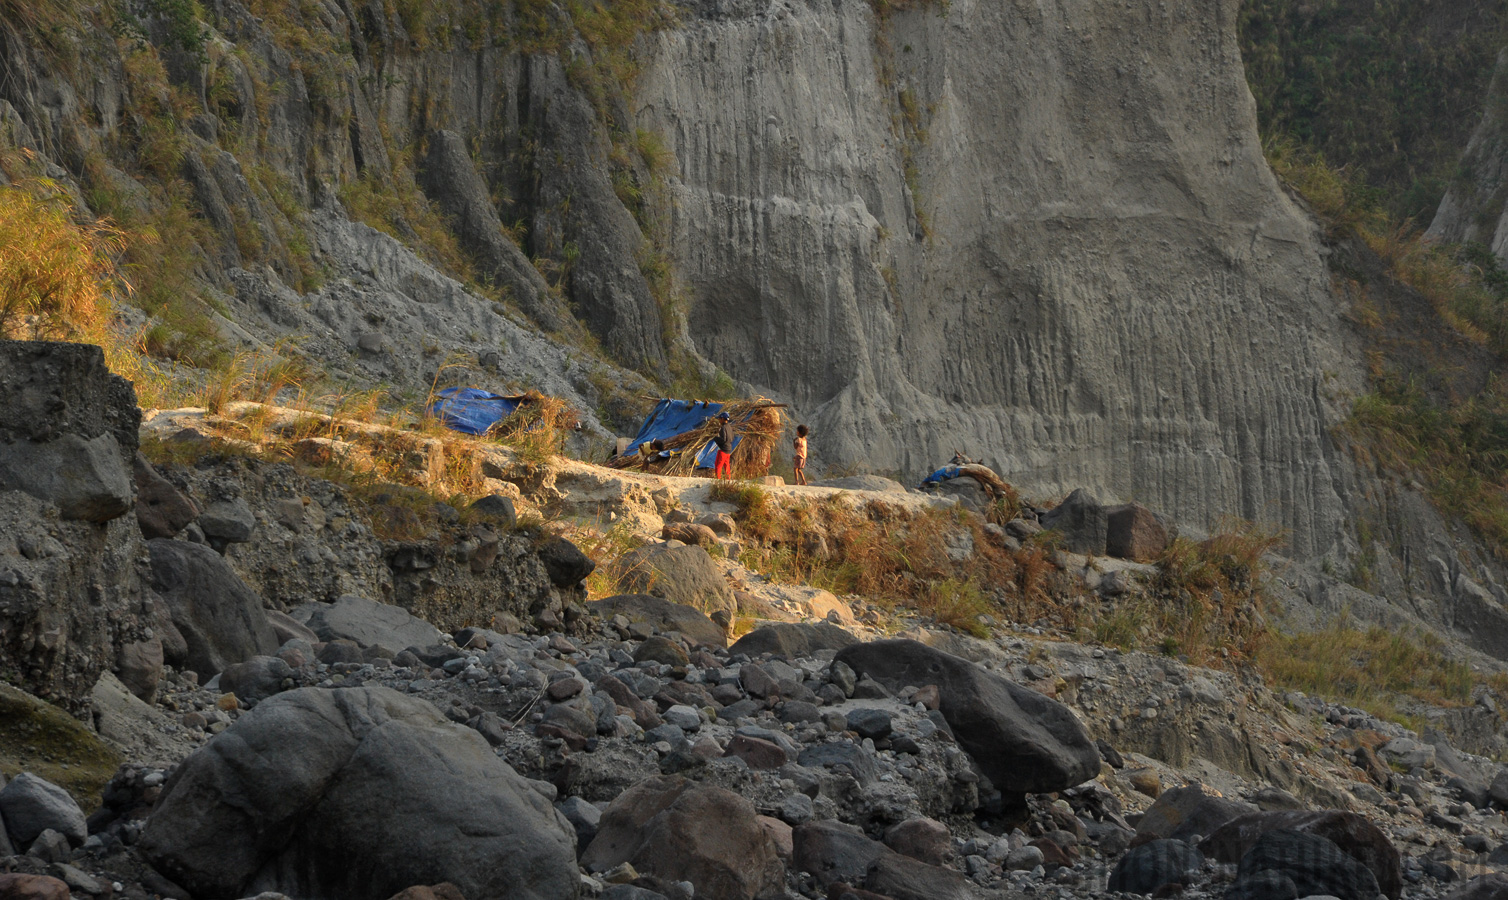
724, 441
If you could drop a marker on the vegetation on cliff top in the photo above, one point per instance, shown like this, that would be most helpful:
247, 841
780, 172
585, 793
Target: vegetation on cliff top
1390, 91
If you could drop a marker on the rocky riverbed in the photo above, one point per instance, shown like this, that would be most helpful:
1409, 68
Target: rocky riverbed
273, 696
634, 758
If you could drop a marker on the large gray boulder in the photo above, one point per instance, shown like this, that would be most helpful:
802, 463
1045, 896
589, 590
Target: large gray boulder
1182, 812
1021, 740
381, 626
663, 615
680, 830
161, 509
1355, 835
84, 478
1490, 886
683, 574
836, 853
793, 639
1147, 867
30, 805
69, 585
1316, 866
220, 618
68, 429
1082, 522
354, 794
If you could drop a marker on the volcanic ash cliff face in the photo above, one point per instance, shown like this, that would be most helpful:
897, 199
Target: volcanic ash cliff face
1042, 233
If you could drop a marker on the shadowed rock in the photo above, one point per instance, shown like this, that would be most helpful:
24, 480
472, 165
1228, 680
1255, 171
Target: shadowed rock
1021, 740
356, 793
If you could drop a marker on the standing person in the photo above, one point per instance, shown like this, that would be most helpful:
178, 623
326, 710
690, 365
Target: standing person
724, 441
800, 456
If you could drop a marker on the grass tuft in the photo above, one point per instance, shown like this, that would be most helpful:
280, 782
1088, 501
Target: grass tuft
1372, 668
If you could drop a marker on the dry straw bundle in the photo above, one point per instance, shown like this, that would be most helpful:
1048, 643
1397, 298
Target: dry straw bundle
760, 423
539, 427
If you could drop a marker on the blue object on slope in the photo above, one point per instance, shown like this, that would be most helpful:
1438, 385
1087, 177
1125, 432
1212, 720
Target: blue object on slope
472, 410
946, 473
672, 417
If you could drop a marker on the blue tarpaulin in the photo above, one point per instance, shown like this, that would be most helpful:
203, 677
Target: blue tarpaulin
944, 474
472, 410
672, 417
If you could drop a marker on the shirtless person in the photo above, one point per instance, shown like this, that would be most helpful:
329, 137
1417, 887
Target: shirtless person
800, 454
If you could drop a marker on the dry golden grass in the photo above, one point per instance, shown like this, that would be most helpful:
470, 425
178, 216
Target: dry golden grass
610, 546
1371, 668
538, 429
57, 276
898, 558
1206, 601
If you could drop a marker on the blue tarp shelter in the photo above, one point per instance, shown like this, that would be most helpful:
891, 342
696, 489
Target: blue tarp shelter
472, 410
672, 417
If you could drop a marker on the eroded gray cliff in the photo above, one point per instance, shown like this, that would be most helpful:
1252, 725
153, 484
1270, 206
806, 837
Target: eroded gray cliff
1039, 233
1089, 275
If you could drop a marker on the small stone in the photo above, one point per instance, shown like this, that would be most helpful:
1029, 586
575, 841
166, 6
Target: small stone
497, 507
797, 809
757, 753
842, 675
757, 682
228, 522
623, 873
78, 879
925, 839
584, 818
1023, 858
662, 650
50, 846
564, 689
18, 886
1145, 781
870, 723
780, 833
683, 717
798, 712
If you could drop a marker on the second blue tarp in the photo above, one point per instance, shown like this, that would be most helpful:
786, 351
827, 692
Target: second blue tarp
472, 410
